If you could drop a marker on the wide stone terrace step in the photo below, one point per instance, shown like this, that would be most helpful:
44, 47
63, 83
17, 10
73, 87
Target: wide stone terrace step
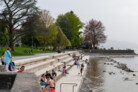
44, 64
56, 67
30, 61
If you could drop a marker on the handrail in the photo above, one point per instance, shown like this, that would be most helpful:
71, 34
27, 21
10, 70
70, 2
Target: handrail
74, 84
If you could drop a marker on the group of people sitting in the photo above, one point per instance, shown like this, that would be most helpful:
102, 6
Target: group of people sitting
48, 81
6, 60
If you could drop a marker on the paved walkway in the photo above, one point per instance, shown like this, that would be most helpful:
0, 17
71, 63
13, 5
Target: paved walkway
72, 77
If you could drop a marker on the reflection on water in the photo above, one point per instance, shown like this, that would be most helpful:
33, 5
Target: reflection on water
102, 76
94, 78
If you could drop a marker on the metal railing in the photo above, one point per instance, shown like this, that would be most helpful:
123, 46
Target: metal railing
74, 85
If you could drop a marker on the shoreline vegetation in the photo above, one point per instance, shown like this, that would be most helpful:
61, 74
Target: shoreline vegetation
25, 51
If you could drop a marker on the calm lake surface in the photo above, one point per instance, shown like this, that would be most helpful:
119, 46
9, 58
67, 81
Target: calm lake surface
132, 62
99, 79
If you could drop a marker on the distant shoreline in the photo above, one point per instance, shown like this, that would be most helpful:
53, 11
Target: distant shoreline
111, 52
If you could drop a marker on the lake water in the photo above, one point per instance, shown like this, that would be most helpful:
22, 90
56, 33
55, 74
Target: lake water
131, 62
99, 79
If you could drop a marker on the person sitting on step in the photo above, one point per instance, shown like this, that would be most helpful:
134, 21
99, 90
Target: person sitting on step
54, 75
65, 71
43, 80
21, 69
48, 74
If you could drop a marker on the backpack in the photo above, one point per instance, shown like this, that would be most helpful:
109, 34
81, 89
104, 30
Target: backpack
11, 66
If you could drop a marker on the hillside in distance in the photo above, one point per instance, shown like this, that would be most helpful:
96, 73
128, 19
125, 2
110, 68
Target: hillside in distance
119, 44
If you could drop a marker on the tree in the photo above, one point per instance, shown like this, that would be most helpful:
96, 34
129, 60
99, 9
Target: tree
15, 12
31, 27
94, 33
46, 36
47, 18
70, 24
61, 40
3, 33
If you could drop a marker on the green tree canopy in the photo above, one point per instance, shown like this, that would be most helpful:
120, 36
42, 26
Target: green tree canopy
61, 40
70, 24
45, 37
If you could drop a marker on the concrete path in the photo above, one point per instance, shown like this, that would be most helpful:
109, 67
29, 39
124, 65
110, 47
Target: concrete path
73, 77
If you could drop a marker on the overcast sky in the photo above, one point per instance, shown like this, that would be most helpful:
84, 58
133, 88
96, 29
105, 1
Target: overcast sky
120, 17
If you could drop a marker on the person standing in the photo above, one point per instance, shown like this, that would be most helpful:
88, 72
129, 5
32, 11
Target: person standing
7, 58
82, 67
78, 64
51, 84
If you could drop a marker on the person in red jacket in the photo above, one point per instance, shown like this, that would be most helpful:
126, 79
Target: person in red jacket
21, 69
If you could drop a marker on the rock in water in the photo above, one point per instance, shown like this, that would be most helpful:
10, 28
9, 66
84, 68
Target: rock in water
134, 74
126, 78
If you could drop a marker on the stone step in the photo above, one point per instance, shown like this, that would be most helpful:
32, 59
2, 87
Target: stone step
67, 61
55, 67
30, 61
63, 57
41, 65
42, 71
70, 63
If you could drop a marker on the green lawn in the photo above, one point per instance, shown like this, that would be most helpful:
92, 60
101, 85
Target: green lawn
19, 51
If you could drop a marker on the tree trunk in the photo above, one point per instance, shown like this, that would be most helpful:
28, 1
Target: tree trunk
93, 45
11, 41
54, 48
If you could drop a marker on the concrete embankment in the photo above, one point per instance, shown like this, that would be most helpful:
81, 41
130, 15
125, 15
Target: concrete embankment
111, 52
74, 78
39, 65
